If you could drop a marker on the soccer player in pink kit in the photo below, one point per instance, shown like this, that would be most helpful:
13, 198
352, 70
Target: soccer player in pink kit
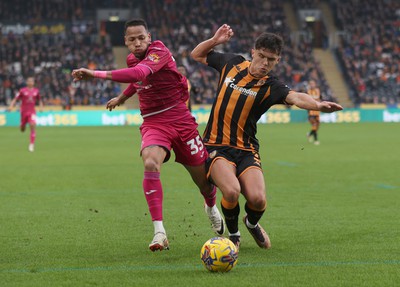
167, 121
28, 96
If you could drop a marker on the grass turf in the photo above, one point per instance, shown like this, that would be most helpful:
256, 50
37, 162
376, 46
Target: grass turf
73, 214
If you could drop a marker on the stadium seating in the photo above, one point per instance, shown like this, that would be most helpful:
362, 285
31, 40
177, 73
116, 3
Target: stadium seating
369, 53
368, 56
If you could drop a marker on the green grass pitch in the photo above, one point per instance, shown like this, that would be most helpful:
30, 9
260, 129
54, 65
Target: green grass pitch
73, 213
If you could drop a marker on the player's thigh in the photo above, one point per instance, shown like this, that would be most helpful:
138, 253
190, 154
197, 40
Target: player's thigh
317, 121
32, 120
253, 185
154, 153
156, 143
223, 174
188, 146
24, 120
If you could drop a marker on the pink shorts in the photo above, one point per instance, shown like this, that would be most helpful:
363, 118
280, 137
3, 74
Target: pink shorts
28, 118
181, 136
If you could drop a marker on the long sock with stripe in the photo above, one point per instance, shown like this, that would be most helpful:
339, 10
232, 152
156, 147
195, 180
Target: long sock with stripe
231, 212
154, 194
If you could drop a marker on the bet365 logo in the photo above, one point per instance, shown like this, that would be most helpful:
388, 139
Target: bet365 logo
3, 120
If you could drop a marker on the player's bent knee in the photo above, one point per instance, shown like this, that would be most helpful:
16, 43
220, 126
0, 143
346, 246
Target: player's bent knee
151, 165
231, 195
258, 203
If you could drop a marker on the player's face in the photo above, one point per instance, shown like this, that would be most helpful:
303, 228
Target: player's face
263, 62
137, 39
30, 82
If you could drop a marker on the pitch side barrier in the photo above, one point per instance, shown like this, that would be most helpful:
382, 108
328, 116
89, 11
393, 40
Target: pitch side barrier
133, 117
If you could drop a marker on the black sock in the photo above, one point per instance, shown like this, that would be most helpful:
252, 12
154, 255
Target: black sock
231, 218
315, 136
253, 216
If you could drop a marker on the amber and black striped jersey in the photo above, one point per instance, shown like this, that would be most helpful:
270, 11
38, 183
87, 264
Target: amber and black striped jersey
316, 95
240, 102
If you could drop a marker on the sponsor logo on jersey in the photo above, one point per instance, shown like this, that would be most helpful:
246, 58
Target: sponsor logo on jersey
247, 92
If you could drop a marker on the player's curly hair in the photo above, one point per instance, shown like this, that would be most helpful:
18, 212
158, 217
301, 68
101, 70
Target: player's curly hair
269, 41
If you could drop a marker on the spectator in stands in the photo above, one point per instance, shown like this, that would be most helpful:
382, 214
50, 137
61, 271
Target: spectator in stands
369, 51
187, 23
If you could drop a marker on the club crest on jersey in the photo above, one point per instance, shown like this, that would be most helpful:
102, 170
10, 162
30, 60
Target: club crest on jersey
261, 82
154, 57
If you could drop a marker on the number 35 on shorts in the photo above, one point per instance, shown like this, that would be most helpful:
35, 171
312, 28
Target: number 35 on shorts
195, 145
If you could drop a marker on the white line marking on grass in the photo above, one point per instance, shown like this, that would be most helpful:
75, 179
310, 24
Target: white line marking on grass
386, 186
198, 266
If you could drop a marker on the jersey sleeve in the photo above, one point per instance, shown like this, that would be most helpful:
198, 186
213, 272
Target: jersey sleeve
18, 95
130, 90
157, 57
280, 91
218, 60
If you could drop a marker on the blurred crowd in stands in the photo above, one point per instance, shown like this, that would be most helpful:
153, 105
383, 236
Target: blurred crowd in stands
50, 58
370, 51
185, 24
370, 54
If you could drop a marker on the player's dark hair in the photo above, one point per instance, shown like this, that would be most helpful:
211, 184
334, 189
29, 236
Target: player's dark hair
135, 22
269, 41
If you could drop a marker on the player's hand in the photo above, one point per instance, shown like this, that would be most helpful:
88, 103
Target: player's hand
82, 74
329, 107
111, 104
223, 34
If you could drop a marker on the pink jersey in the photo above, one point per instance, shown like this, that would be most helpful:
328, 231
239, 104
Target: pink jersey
165, 87
28, 98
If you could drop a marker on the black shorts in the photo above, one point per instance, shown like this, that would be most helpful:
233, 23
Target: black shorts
313, 119
241, 159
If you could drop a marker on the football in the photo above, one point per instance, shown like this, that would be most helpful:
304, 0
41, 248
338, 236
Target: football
219, 254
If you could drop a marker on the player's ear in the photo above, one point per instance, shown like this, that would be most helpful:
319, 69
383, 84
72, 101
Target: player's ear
252, 53
149, 35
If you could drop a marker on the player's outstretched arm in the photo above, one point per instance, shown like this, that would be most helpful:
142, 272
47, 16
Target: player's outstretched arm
305, 101
127, 75
84, 74
223, 35
12, 104
329, 107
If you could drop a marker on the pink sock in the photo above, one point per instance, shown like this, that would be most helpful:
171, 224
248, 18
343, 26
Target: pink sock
154, 194
32, 137
210, 197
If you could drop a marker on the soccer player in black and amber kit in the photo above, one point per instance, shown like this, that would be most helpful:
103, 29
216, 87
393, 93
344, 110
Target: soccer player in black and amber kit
246, 90
313, 116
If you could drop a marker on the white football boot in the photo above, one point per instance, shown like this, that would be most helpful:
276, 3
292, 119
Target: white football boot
160, 242
217, 222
